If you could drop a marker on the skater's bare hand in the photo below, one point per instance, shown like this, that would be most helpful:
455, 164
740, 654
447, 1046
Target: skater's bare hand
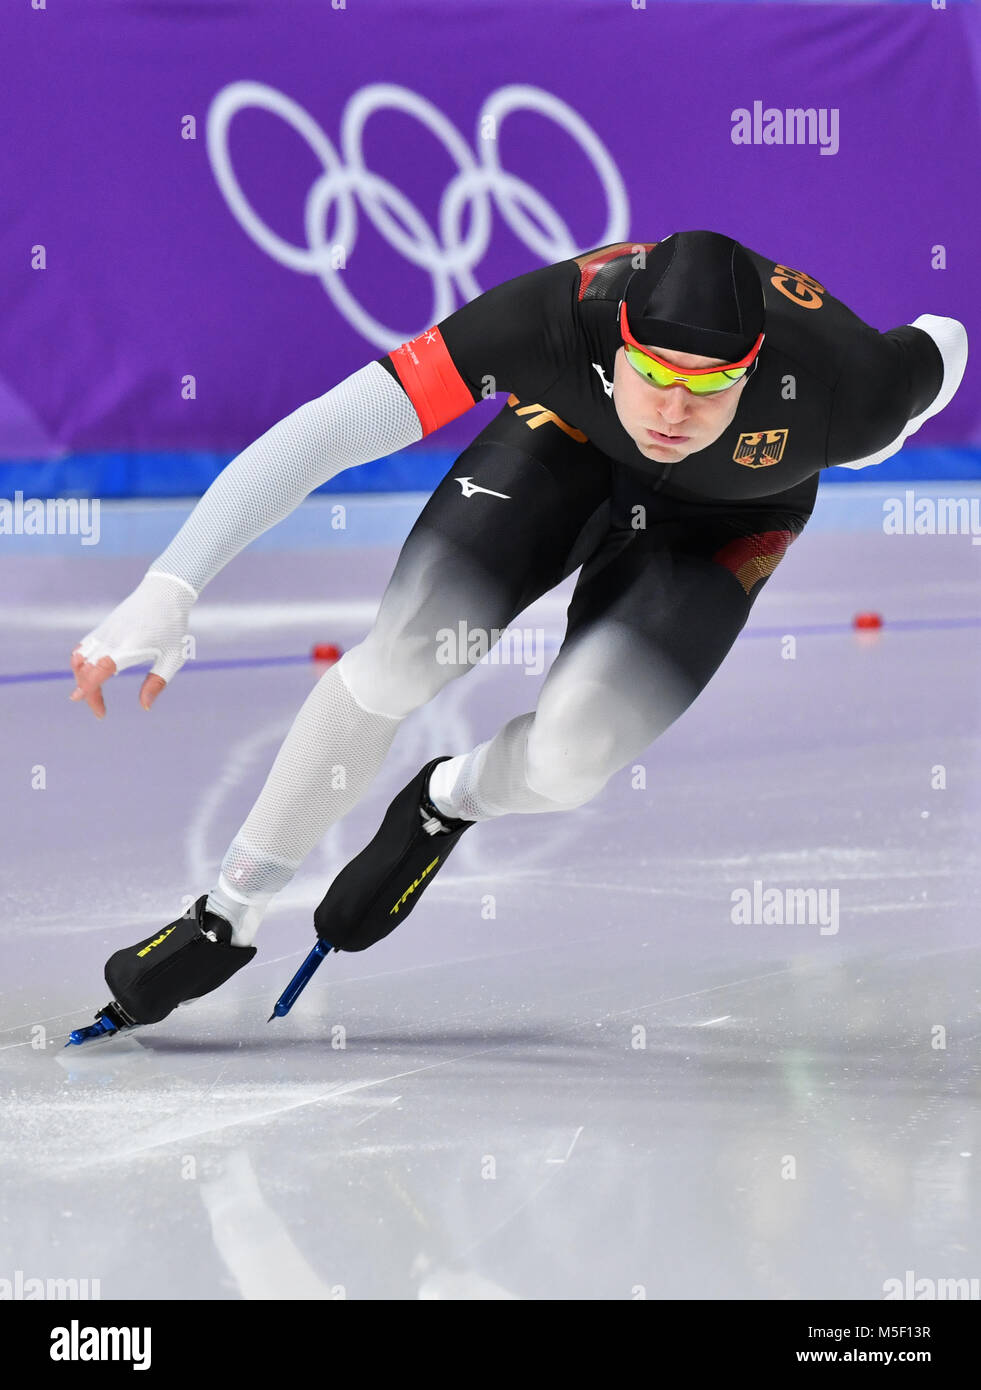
149, 625
90, 678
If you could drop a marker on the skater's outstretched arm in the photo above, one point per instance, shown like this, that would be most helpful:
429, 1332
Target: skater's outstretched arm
518, 335
365, 417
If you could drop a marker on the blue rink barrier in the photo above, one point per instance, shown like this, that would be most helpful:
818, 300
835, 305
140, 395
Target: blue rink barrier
189, 475
144, 527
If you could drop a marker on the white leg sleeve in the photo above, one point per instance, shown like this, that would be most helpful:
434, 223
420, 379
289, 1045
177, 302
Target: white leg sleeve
327, 761
330, 757
365, 417
590, 721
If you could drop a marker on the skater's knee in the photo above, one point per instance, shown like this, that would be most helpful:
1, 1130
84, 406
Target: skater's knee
568, 766
575, 745
395, 678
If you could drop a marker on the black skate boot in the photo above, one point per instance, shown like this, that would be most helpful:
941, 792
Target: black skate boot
380, 887
191, 957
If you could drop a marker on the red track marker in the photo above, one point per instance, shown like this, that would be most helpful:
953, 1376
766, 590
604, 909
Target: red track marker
867, 620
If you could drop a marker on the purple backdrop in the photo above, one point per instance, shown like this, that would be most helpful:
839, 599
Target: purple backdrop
151, 277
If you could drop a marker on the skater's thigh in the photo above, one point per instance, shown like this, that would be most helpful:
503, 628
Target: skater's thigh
517, 511
656, 610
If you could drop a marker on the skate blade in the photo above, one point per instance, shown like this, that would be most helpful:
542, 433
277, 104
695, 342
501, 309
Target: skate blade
99, 1031
299, 981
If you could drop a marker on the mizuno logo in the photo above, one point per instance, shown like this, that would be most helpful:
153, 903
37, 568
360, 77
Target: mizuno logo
607, 385
470, 487
412, 887
155, 942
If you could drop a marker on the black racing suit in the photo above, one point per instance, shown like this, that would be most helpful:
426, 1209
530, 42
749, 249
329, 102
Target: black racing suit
673, 554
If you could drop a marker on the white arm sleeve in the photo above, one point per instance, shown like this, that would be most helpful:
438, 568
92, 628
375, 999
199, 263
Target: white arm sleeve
364, 417
950, 337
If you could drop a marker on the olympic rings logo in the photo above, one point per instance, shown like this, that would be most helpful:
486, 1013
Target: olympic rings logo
447, 255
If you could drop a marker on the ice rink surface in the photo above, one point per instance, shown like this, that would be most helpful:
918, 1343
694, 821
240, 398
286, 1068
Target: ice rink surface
571, 1074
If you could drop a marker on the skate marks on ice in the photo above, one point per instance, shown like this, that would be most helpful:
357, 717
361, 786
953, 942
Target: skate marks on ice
440, 1178
147, 1094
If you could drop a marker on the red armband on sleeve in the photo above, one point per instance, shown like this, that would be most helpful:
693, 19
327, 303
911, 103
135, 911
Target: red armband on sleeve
431, 380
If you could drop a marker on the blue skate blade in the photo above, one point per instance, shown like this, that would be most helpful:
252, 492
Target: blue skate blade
299, 981
101, 1028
